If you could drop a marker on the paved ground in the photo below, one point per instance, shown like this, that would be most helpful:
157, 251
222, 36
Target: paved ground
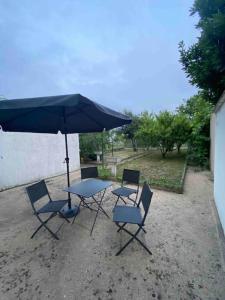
182, 234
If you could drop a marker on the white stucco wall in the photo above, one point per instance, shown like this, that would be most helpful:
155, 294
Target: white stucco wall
25, 157
212, 141
219, 161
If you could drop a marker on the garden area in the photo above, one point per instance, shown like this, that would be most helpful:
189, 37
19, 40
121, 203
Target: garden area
167, 174
160, 146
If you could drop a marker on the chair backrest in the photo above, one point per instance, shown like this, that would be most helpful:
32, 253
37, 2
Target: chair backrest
36, 191
131, 176
145, 199
90, 172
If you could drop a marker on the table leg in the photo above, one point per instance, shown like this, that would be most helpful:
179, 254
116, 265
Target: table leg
99, 207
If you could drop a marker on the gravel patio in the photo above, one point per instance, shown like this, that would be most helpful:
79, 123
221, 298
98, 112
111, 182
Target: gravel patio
187, 260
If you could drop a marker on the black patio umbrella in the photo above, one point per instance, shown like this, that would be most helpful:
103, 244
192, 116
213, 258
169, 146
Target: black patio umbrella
65, 113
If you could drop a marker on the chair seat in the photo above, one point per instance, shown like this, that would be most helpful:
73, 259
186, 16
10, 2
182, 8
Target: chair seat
127, 214
124, 191
52, 206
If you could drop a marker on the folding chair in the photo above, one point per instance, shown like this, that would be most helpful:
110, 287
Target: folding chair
36, 192
132, 215
129, 177
90, 172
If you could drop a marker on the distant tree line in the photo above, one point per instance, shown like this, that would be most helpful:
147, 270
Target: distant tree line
168, 131
189, 125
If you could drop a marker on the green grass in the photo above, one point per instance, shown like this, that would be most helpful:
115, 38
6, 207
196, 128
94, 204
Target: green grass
104, 173
125, 153
164, 173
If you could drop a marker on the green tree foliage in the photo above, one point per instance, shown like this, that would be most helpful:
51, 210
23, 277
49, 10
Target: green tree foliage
204, 62
90, 143
130, 130
181, 129
146, 132
164, 131
198, 110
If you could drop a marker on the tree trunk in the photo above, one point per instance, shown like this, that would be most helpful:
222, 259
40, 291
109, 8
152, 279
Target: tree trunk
134, 145
163, 151
178, 148
112, 148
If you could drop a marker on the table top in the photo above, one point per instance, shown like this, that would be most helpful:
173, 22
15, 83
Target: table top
88, 187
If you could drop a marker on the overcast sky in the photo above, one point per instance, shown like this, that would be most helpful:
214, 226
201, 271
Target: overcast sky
121, 53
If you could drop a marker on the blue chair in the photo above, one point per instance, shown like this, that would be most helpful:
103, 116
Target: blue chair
124, 215
129, 177
36, 192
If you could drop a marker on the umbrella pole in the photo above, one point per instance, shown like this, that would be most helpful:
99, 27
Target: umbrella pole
67, 170
69, 211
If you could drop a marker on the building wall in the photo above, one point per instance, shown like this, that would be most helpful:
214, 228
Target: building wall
219, 160
25, 157
212, 141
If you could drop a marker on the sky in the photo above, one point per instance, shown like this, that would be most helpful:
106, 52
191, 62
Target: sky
120, 53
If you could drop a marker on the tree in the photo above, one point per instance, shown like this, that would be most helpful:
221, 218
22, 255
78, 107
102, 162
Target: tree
91, 143
198, 110
164, 131
130, 130
115, 139
181, 128
204, 62
146, 132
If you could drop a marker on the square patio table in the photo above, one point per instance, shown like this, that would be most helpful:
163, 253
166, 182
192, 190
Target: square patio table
88, 188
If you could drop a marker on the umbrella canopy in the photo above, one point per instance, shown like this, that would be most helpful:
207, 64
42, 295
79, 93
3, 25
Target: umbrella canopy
67, 114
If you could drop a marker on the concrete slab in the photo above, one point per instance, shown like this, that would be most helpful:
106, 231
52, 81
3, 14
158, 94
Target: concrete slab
187, 261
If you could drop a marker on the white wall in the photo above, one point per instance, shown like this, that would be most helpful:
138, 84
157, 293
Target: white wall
25, 157
219, 162
212, 141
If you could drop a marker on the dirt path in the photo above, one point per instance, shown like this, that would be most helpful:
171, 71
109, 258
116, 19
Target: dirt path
181, 232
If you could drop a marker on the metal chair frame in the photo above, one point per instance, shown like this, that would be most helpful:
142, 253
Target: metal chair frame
35, 193
145, 199
129, 177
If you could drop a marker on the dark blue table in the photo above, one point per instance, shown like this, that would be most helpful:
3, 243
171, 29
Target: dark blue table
88, 188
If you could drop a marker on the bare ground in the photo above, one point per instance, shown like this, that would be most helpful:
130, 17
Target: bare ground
187, 261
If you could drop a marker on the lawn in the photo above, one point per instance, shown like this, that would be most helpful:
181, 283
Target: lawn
124, 153
164, 173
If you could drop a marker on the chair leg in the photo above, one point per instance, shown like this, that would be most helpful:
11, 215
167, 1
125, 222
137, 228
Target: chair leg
121, 227
119, 197
61, 215
133, 236
143, 229
43, 223
134, 200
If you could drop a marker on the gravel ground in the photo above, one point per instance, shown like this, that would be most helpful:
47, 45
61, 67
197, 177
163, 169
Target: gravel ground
187, 261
